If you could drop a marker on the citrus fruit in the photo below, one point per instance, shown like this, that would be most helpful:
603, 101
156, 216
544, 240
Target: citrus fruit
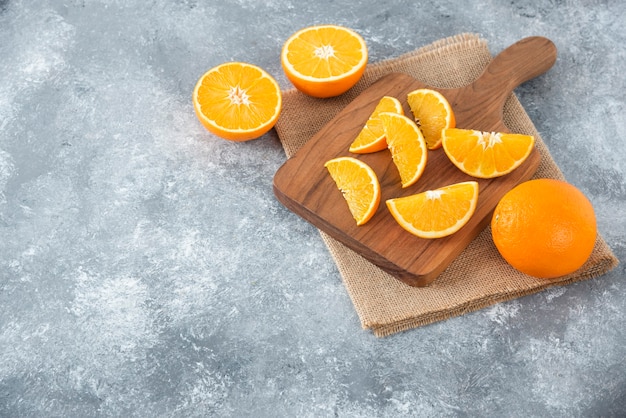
359, 185
372, 137
324, 60
432, 113
486, 154
436, 213
545, 228
407, 146
237, 101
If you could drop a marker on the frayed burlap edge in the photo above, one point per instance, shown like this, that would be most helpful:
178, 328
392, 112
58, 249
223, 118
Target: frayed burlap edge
600, 262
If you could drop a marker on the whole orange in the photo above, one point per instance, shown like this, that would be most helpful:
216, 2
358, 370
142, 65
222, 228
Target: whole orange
545, 228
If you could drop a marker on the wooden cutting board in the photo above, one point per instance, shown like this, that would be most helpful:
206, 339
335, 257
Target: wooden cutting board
304, 186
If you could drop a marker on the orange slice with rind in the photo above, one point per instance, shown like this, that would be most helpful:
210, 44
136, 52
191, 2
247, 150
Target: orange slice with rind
486, 154
324, 60
436, 213
432, 113
359, 185
407, 146
372, 137
237, 101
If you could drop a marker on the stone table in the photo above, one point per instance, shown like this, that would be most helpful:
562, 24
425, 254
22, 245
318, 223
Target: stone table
146, 268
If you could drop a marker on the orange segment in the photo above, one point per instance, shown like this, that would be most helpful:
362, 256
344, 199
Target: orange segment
436, 213
358, 184
324, 60
432, 113
372, 136
486, 154
237, 101
407, 146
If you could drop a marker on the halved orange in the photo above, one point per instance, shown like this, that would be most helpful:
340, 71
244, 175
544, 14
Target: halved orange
372, 137
486, 154
436, 213
359, 185
432, 113
237, 101
324, 60
407, 146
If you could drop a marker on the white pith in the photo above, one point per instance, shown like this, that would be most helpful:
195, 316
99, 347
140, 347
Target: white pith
488, 140
238, 96
433, 194
324, 51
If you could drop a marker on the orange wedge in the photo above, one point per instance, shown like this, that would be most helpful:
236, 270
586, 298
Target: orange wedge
436, 213
324, 60
486, 154
432, 113
372, 137
407, 146
237, 101
358, 184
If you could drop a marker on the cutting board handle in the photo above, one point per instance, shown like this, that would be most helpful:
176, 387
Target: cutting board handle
518, 63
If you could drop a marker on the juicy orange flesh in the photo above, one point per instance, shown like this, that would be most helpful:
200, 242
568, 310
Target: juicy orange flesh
407, 146
324, 52
487, 153
358, 185
237, 97
431, 116
371, 137
436, 213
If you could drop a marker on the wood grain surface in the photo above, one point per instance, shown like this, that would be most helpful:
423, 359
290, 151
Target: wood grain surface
304, 186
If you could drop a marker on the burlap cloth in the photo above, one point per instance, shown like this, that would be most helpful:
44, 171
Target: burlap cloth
479, 277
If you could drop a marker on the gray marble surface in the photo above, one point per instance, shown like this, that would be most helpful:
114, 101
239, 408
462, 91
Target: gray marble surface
146, 268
